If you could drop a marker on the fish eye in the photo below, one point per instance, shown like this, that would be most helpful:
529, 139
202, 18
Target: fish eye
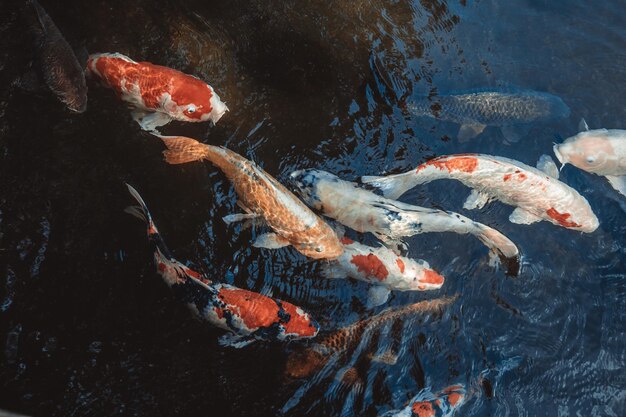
191, 108
591, 159
319, 249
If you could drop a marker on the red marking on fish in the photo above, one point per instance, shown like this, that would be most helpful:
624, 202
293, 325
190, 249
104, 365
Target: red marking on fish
454, 398
431, 277
255, 310
561, 218
507, 177
299, 322
370, 265
400, 265
346, 240
423, 409
463, 163
161, 266
521, 177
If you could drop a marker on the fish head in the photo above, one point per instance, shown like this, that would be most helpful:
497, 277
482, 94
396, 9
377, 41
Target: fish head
327, 246
306, 181
71, 88
296, 323
418, 275
590, 151
192, 100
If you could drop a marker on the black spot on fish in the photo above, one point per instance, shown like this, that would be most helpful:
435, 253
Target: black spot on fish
393, 215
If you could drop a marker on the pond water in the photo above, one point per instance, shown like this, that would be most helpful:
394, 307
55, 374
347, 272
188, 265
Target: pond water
87, 328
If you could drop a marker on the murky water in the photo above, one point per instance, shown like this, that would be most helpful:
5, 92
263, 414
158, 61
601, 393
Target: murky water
87, 327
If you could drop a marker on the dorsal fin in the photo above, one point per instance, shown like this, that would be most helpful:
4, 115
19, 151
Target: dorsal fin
582, 125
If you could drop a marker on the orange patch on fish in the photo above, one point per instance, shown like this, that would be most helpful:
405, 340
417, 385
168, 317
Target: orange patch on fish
346, 240
298, 323
507, 177
463, 163
400, 265
161, 266
370, 265
454, 398
255, 310
561, 218
423, 409
431, 277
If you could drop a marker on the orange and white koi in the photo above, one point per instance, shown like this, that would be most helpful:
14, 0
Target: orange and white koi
247, 315
157, 94
428, 404
598, 151
263, 198
384, 268
389, 220
536, 195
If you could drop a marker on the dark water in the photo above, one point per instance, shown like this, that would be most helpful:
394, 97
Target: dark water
88, 329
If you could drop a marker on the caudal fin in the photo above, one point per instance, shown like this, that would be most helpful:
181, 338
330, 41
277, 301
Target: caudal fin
392, 186
181, 150
501, 246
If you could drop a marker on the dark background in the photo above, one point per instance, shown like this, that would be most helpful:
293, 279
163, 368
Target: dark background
88, 329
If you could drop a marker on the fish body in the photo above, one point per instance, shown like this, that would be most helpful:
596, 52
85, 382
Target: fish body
382, 266
158, 94
390, 220
303, 363
59, 67
428, 404
247, 315
263, 198
536, 195
598, 151
476, 109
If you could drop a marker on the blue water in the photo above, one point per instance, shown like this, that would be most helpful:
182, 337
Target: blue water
88, 328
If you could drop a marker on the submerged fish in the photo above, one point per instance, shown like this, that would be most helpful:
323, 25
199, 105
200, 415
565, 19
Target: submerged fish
303, 363
389, 220
247, 315
157, 94
58, 64
428, 404
263, 198
384, 268
476, 109
599, 151
536, 195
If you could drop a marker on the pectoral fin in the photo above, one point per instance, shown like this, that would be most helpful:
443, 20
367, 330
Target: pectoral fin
377, 295
520, 216
515, 133
270, 241
232, 218
582, 125
476, 200
149, 121
235, 341
619, 183
469, 131
547, 165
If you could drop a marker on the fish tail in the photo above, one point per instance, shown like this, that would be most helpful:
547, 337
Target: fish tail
181, 150
392, 186
141, 212
501, 246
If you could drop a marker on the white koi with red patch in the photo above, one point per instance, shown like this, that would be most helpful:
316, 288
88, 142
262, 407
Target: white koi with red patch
536, 195
599, 151
382, 266
158, 94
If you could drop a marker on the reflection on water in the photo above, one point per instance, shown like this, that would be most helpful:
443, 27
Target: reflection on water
86, 326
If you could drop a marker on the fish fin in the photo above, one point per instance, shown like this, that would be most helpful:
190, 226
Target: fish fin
41, 15
388, 357
519, 216
514, 133
619, 183
235, 341
332, 271
547, 165
239, 217
392, 186
270, 241
136, 211
181, 150
398, 246
501, 249
243, 207
82, 55
476, 200
470, 131
377, 295
149, 121
582, 125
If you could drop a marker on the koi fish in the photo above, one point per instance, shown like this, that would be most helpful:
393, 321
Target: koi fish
390, 220
599, 151
157, 94
263, 198
303, 363
427, 404
384, 268
59, 67
247, 315
476, 109
537, 195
